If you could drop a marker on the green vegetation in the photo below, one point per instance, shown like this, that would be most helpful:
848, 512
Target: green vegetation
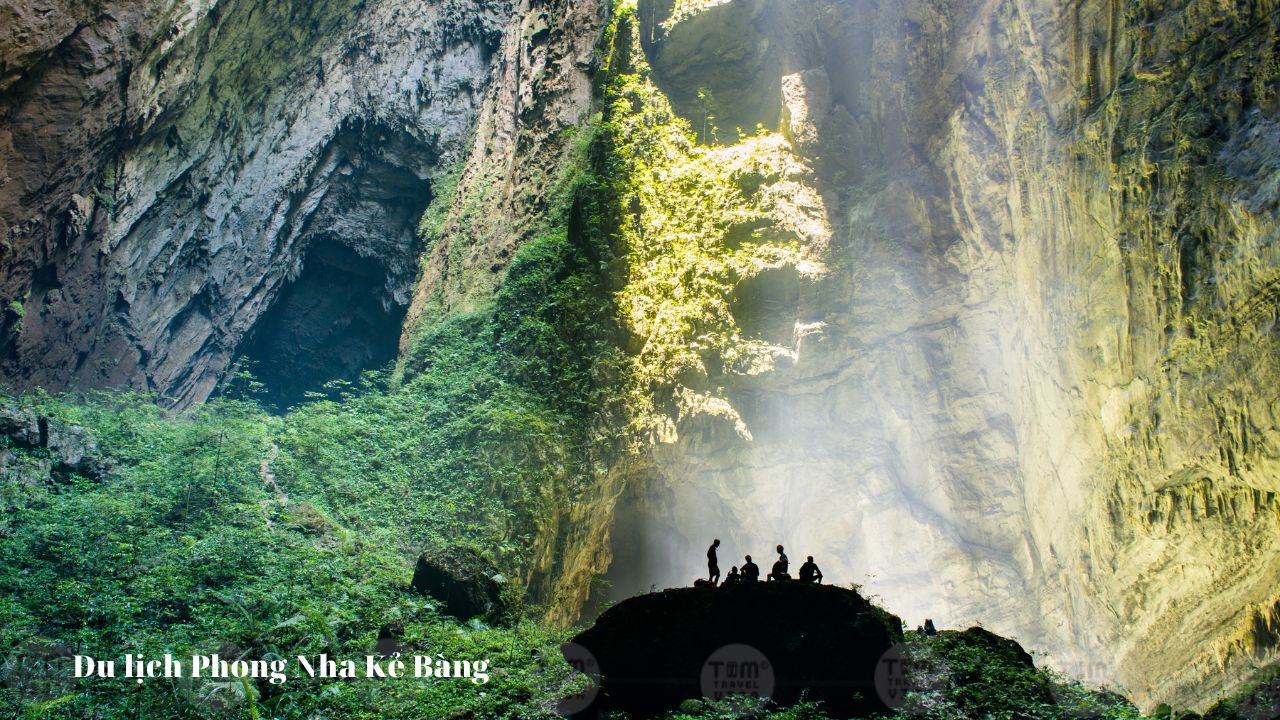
199, 542
444, 191
977, 675
1260, 699
16, 312
698, 221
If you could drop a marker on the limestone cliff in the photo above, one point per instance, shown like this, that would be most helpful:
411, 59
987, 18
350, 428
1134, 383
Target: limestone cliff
984, 310
1035, 385
177, 176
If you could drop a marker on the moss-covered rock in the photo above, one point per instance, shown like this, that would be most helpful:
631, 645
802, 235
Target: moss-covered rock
462, 580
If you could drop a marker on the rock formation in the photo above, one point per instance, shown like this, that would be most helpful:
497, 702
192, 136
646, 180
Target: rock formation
1019, 367
1037, 387
653, 650
461, 579
35, 448
173, 174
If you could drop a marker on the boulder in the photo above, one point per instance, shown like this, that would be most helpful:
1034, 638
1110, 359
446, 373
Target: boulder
462, 580
20, 425
67, 449
824, 641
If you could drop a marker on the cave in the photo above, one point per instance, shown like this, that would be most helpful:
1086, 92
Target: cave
342, 313
329, 324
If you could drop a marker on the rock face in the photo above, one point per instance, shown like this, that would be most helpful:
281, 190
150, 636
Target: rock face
1037, 387
49, 448
1033, 386
179, 180
652, 650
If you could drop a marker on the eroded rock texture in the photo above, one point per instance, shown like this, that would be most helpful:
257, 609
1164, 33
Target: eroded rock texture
168, 170
1037, 387
1034, 385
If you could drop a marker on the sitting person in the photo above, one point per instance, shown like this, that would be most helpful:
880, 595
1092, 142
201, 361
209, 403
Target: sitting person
809, 572
780, 567
750, 571
734, 577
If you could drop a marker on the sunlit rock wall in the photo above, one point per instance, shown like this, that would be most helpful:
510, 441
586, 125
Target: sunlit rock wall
1037, 387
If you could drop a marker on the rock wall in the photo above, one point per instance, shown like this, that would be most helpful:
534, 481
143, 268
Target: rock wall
1036, 386
1033, 384
167, 169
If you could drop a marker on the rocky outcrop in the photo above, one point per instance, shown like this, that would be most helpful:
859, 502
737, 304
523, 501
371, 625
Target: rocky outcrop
1035, 387
172, 174
522, 150
779, 639
462, 581
34, 448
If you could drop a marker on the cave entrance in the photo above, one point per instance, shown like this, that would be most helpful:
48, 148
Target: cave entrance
332, 323
343, 313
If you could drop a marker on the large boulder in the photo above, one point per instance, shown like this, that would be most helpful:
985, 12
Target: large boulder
58, 449
19, 426
462, 580
656, 651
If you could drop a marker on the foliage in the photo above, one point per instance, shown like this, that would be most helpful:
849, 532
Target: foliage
1260, 699
694, 222
960, 675
738, 706
199, 542
444, 190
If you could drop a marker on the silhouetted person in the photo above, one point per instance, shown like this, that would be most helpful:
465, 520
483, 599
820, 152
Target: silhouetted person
779, 572
734, 577
713, 566
809, 571
750, 571
929, 629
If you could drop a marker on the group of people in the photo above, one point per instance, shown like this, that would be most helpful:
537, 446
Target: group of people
750, 572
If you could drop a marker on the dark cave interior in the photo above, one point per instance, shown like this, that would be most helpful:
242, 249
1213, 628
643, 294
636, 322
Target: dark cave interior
329, 324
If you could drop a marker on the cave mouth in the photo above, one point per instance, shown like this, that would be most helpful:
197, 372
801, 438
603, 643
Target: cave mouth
342, 314
332, 323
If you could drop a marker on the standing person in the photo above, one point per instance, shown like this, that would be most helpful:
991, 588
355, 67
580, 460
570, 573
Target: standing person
750, 571
713, 566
